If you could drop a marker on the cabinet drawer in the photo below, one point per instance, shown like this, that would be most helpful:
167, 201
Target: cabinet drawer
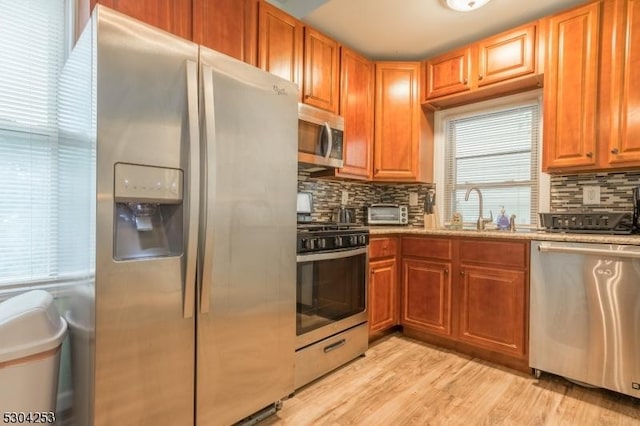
383, 247
433, 248
500, 253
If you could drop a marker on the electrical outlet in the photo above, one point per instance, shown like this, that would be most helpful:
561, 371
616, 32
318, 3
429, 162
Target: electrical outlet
413, 198
345, 197
590, 195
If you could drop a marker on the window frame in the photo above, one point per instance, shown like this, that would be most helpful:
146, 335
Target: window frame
441, 118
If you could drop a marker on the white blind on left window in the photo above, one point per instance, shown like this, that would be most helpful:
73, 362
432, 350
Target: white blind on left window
32, 49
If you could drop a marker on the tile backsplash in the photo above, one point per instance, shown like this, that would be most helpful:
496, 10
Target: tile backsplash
327, 196
615, 191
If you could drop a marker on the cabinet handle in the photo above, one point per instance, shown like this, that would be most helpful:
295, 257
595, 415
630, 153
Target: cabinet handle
480, 77
615, 151
589, 154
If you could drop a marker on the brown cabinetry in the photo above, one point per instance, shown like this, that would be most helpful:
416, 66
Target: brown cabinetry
571, 88
470, 294
473, 72
621, 146
383, 288
321, 70
228, 26
174, 16
280, 38
426, 285
400, 151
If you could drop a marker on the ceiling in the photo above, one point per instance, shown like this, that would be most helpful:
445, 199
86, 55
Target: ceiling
413, 29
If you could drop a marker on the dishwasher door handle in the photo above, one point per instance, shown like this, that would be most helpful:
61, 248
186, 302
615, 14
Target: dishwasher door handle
588, 251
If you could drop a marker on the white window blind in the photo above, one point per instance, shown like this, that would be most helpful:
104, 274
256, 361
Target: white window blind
32, 49
496, 152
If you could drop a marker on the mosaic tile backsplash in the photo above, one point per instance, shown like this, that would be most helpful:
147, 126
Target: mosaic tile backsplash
327, 196
615, 191
565, 192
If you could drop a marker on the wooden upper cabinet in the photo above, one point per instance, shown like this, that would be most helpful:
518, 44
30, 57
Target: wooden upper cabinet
571, 88
228, 26
280, 38
173, 16
397, 121
356, 106
321, 70
448, 73
623, 140
507, 55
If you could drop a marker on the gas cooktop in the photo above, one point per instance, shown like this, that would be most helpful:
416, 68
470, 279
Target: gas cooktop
329, 236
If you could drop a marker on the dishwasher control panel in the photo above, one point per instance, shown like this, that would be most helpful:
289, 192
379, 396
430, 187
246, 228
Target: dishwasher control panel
595, 223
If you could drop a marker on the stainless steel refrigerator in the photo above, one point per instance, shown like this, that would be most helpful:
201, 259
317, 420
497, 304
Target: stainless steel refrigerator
188, 160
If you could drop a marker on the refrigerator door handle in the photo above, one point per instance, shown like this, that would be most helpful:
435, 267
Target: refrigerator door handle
209, 187
194, 191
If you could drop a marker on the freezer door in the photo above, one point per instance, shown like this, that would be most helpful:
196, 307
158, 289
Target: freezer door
145, 327
246, 320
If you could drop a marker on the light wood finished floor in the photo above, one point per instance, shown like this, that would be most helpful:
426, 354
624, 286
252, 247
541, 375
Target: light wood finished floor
402, 381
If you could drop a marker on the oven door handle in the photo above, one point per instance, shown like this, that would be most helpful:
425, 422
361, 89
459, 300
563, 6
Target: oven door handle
331, 255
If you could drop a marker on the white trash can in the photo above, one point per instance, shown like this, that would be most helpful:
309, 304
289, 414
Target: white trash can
31, 333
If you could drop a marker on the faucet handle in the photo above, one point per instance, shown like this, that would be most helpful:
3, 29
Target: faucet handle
490, 218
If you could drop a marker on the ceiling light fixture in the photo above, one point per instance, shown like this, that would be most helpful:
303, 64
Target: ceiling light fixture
466, 5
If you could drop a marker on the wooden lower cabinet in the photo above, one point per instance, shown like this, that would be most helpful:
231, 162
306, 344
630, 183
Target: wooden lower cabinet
468, 294
492, 308
383, 284
426, 295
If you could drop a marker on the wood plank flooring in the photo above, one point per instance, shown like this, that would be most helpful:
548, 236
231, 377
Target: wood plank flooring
401, 381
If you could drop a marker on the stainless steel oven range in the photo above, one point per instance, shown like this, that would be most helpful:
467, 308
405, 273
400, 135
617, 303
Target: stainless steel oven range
331, 296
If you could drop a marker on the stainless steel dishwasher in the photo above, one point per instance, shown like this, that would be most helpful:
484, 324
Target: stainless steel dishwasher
585, 313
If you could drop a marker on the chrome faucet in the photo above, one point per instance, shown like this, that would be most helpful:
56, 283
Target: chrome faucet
481, 221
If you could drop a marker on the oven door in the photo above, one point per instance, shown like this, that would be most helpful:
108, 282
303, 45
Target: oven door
331, 293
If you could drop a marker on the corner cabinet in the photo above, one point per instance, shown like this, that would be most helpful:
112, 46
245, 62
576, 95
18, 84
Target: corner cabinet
280, 39
383, 284
571, 88
228, 26
400, 152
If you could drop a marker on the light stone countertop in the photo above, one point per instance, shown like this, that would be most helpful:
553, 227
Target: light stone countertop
519, 235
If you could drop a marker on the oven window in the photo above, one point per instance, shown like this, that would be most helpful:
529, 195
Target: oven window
329, 290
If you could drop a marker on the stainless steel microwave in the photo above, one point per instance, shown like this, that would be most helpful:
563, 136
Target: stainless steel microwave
320, 135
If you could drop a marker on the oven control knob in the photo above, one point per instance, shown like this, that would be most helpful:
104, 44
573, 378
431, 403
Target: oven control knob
309, 243
362, 239
322, 243
337, 241
353, 240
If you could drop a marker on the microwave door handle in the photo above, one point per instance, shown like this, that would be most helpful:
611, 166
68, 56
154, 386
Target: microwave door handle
329, 139
189, 273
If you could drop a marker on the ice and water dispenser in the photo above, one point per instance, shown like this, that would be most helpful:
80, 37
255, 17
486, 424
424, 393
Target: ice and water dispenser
148, 212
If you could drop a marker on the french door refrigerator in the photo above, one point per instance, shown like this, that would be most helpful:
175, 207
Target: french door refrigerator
189, 160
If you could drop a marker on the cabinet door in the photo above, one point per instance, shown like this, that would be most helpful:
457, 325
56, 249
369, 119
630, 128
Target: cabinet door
382, 294
571, 88
426, 296
624, 142
228, 26
280, 44
356, 106
321, 70
448, 73
493, 309
397, 121
507, 55
173, 16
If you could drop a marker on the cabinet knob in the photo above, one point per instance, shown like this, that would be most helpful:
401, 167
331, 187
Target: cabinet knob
446, 271
480, 77
461, 272
589, 154
615, 151
465, 82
